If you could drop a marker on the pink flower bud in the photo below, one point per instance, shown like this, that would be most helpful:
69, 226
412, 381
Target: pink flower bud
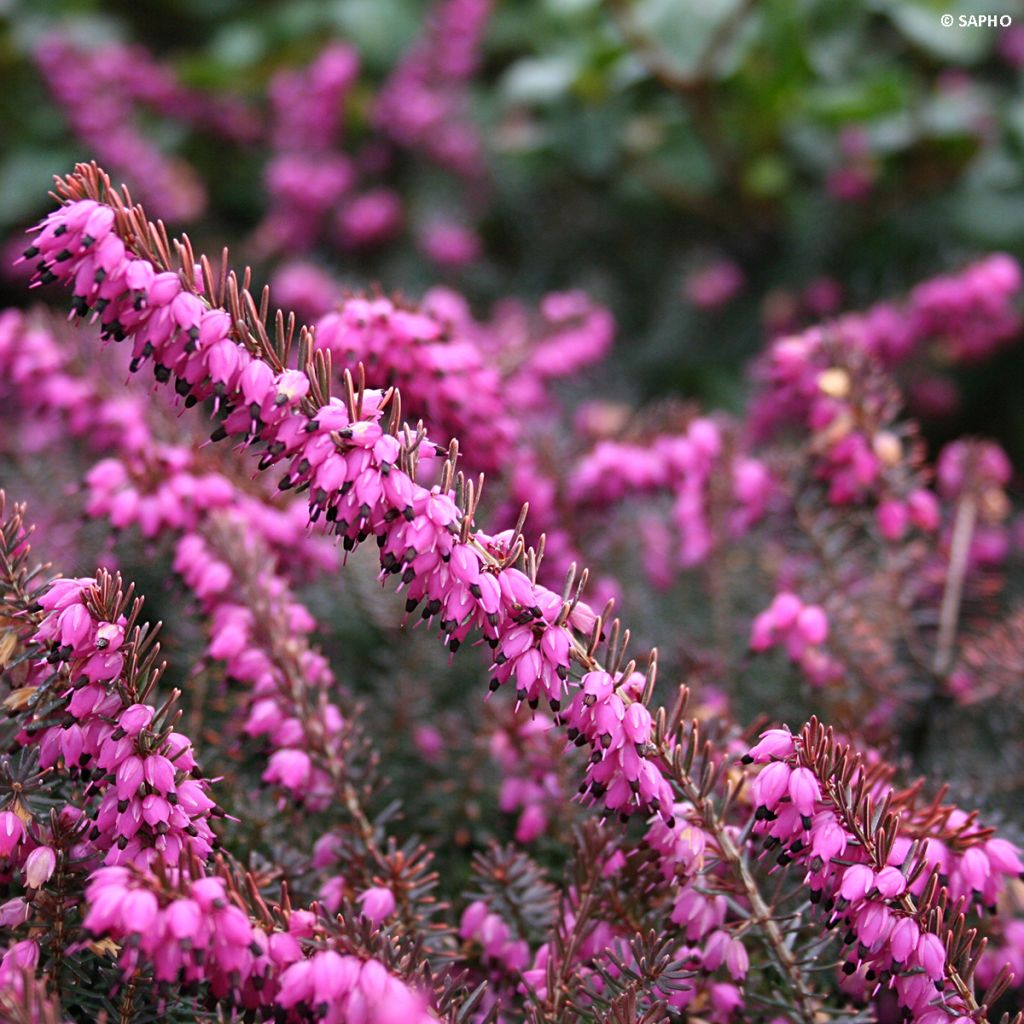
378, 903
256, 382
771, 784
828, 839
233, 925
923, 507
904, 938
1004, 857
736, 960
291, 768
159, 773
785, 608
762, 632
931, 956
873, 925
892, 518
13, 913
858, 881
890, 882
184, 919
12, 832
135, 718
109, 636
975, 868
812, 624
637, 723
773, 743
22, 955
532, 823
129, 777
296, 984
725, 999
804, 791
472, 918
39, 865
284, 949
139, 911
75, 624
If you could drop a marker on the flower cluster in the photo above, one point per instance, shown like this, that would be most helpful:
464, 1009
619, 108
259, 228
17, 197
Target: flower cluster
979, 472
971, 313
609, 715
139, 801
958, 317
528, 754
846, 405
442, 377
422, 104
872, 882
482, 926
567, 333
802, 629
307, 177
320, 191
155, 486
148, 798
258, 629
198, 931
683, 466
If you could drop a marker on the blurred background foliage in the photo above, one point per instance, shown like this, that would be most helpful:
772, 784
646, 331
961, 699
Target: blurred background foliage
629, 143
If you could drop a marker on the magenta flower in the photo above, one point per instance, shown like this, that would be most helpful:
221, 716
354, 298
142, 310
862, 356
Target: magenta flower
39, 866
12, 832
377, 903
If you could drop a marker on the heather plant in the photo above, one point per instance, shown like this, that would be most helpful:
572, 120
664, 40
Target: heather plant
400, 641
710, 872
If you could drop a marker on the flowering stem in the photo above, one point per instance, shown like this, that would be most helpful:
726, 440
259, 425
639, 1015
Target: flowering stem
761, 912
836, 796
284, 652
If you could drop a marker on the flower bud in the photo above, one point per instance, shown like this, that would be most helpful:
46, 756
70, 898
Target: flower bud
39, 865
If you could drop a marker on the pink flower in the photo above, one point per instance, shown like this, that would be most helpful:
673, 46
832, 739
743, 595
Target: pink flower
771, 784
291, 768
449, 244
812, 624
377, 903
714, 285
773, 744
13, 913
931, 956
135, 718
892, 518
532, 823
858, 881
139, 911
904, 939
39, 865
12, 832
804, 791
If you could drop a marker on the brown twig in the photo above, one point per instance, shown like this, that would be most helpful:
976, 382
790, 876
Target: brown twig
952, 594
